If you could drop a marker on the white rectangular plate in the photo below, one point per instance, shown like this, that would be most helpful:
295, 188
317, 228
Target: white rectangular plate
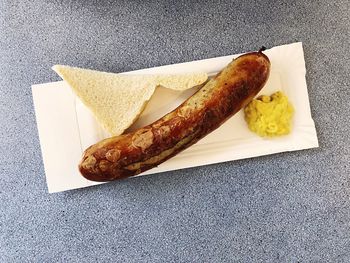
66, 127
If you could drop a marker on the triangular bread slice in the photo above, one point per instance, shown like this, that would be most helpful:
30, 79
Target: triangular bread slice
116, 100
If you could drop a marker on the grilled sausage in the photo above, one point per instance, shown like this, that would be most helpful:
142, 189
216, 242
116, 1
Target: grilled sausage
219, 99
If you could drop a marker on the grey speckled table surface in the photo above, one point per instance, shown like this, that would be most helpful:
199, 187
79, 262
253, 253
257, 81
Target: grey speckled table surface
289, 207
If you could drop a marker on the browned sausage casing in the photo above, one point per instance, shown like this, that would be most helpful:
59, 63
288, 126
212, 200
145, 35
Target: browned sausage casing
224, 95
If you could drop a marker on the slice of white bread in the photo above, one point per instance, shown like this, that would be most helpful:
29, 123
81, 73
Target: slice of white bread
116, 100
